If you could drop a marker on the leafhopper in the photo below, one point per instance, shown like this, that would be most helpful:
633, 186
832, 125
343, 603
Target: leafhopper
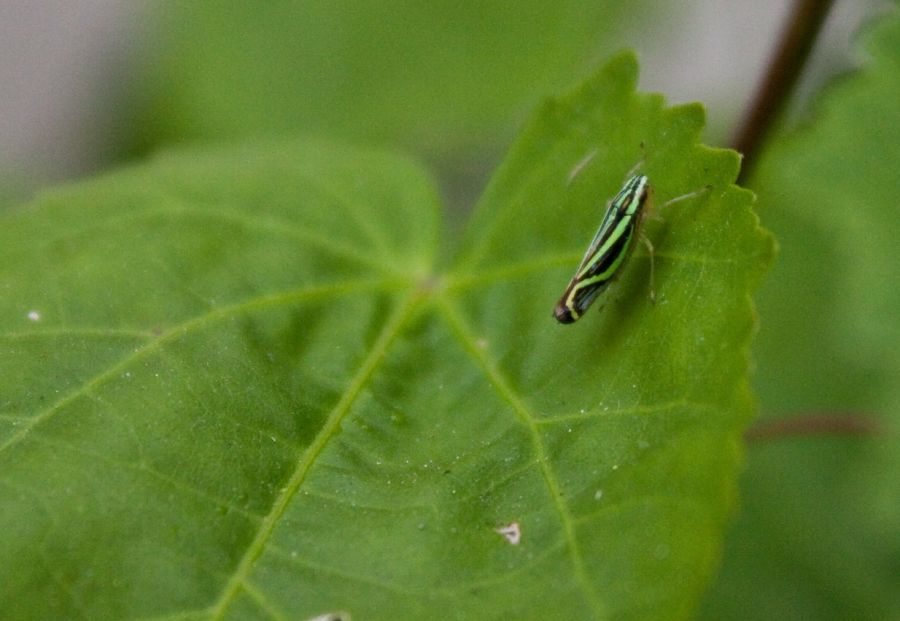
609, 250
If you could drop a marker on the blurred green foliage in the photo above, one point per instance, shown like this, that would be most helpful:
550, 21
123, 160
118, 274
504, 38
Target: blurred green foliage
819, 536
442, 78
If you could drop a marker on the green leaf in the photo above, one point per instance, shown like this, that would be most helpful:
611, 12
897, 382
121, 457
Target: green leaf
237, 384
439, 77
818, 536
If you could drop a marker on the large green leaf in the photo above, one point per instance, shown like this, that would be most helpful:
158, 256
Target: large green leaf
238, 384
818, 537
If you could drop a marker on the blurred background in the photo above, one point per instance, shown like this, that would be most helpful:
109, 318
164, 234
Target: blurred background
89, 84
86, 83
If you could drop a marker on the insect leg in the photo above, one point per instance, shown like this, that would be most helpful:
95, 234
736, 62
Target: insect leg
687, 196
581, 165
651, 252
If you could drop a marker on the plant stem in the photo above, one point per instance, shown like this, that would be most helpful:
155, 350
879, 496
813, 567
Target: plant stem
819, 424
778, 84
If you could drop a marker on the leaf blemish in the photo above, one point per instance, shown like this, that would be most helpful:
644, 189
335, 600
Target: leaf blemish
511, 532
430, 284
34, 315
332, 616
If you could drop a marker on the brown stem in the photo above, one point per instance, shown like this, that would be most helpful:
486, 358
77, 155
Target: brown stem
821, 424
797, 40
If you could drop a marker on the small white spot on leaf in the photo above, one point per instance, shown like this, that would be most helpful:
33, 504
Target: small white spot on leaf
332, 616
511, 532
34, 315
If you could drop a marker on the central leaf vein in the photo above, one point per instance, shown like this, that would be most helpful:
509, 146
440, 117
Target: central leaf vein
389, 332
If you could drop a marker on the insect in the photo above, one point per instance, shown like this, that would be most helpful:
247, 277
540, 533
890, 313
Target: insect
609, 250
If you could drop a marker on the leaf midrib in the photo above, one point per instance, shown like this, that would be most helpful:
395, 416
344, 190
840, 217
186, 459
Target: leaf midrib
391, 330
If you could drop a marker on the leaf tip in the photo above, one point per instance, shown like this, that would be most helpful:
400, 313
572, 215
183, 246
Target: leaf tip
730, 162
691, 116
624, 66
617, 77
620, 72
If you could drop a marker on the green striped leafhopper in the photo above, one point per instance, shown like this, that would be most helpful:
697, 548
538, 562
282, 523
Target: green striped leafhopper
609, 250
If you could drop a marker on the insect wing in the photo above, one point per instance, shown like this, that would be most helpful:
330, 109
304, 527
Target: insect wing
618, 222
599, 237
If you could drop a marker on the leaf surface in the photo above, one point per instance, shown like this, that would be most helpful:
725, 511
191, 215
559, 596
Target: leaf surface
238, 384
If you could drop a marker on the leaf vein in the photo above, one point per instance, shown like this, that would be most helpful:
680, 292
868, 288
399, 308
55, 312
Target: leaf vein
374, 234
646, 499
492, 373
635, 410
304, 562
396, 508
179, 331
263, 602
266, 224
145, 469
82, 332
389, 332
